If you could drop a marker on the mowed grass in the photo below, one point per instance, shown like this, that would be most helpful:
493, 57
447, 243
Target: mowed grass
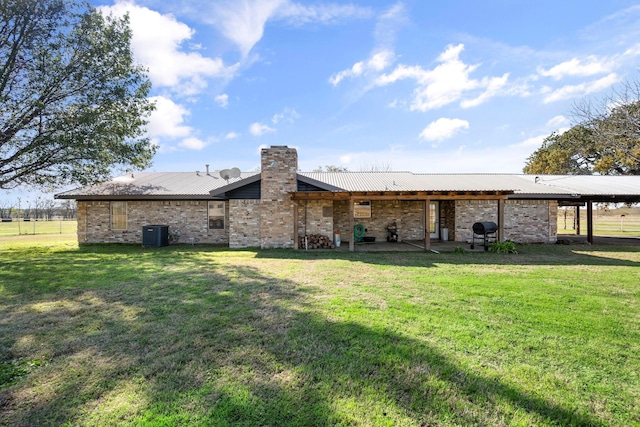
624, 222
198, 335
16, 228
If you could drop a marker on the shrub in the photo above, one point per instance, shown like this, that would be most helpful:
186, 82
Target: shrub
506, 247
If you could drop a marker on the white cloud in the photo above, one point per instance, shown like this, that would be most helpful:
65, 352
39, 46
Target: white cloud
383, 54
494, 86
442, 129
533, 142
346, 159
222, 100
288, 115
157, 43
243, 21
259, 129
192, 143
582, 89
327, 14
558, 122
232, 135
167, 119
446, 83
577, 67
387, 26
376, 63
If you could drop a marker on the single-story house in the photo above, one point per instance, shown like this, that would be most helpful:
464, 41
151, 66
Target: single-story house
273, 207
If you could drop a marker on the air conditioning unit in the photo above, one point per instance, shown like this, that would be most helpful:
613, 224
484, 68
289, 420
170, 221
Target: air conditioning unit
155, 235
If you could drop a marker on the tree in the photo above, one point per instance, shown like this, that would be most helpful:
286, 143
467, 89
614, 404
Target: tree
331, 168
606, 140
561, 153
73, 104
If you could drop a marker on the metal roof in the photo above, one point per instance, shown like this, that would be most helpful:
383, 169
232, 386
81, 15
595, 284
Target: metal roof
155, 185
521, 185
183, 185
587, 185
408, 181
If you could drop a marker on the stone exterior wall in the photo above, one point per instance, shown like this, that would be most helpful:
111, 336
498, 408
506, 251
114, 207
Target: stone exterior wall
278, 179
244, 223
531, 221
315, 217
468, 212
188, 217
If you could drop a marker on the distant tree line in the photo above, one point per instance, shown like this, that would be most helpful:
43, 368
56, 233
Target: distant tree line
38, 209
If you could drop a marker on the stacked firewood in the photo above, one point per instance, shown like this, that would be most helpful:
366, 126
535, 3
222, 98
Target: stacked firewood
315, 241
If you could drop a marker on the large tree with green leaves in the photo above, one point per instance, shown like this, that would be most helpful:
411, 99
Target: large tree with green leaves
73, 102
606, 140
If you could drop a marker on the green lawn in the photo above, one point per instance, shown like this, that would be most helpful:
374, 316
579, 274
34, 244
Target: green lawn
198, 335
16, 228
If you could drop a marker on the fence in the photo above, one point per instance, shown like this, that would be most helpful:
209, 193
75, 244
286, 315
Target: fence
18, 226
608, 223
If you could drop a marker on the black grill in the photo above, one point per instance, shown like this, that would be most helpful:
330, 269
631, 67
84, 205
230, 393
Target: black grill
485, 231
485, 227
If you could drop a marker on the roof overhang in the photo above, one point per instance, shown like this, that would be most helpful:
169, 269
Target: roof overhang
130, 197
399, 195
579, 199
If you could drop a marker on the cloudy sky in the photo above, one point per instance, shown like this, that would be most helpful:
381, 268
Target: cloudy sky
455, 86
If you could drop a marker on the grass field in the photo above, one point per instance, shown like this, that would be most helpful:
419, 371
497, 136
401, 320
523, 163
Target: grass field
198, 335
16, 228
614, 222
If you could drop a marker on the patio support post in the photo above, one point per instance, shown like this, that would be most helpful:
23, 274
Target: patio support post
500, 220
577, 220
427, 223
590, 221
296, 239
352, 243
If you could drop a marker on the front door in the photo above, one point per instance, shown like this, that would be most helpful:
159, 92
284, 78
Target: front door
434, 223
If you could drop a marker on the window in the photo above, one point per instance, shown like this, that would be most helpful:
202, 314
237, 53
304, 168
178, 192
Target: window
118, 215
216, 215
362, 209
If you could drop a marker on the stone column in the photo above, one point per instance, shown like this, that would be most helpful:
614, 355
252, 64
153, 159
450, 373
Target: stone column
278, 179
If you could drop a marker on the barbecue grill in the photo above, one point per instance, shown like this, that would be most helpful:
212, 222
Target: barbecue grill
485, 231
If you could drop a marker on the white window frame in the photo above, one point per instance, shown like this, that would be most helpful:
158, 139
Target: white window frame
216, 212
118, 219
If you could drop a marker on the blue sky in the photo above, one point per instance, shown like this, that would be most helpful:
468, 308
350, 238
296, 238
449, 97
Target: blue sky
425, 86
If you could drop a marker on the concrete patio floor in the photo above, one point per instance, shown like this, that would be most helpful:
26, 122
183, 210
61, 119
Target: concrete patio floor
449, 246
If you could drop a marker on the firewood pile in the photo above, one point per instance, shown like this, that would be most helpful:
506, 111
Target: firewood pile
315, 241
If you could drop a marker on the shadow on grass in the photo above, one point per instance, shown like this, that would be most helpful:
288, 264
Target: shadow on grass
527, 255
179, 337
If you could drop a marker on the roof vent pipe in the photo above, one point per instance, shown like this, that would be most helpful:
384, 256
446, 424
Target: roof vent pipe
207, 166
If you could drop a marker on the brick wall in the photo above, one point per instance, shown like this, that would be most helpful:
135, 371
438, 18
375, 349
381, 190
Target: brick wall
278, 179
531, 221
448, 217
189, 217
244, 223
315, 217
408, 216
525, 221
468, 212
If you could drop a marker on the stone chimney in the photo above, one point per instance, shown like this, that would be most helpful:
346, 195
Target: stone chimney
278, 178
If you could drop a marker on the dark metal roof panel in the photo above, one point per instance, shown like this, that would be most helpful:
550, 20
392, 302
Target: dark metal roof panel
155, 185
